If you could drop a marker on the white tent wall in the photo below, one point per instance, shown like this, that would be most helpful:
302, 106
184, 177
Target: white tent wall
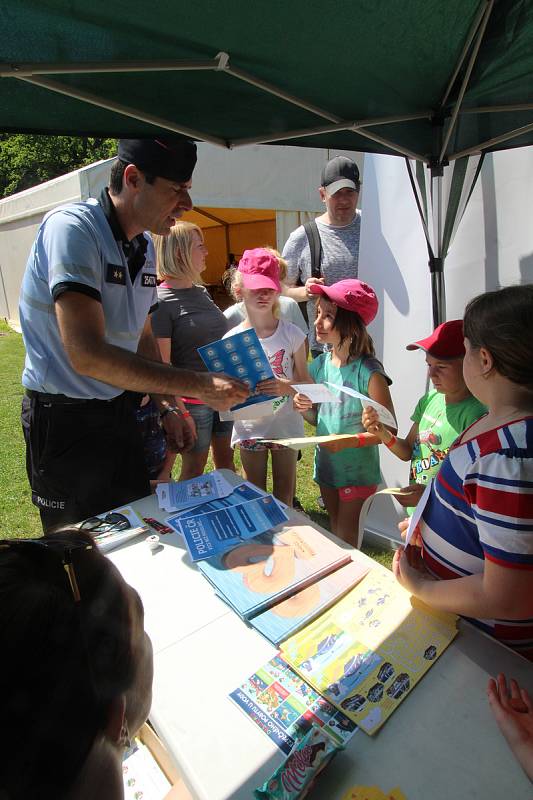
281, 178
493, 248
20, 217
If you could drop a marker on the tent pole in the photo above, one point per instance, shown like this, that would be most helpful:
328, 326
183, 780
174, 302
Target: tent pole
127, 111
438, 291
464, 84
491, 142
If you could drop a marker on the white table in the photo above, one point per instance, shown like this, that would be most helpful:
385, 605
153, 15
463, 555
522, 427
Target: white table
441, 744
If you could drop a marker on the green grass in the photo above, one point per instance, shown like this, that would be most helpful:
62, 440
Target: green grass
19, 517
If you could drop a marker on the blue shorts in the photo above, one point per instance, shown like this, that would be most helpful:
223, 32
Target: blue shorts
208, 424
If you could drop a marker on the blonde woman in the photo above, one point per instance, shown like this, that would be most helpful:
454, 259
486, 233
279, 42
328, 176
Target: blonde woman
186, 319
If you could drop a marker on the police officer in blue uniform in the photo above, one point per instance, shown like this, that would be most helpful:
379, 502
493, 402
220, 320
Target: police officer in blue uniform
86, 299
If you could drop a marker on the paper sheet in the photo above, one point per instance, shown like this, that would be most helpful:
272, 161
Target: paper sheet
316, 392
297, 442
415, 519
383, 413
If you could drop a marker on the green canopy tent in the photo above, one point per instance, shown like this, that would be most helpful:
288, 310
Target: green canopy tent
434, 81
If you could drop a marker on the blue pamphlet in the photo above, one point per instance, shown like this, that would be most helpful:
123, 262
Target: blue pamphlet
178, 495
240, 356
217, 531
246, 491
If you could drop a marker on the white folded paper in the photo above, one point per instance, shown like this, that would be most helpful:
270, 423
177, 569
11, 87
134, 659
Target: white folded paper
296, 443
383, 413
316, 392
417, 513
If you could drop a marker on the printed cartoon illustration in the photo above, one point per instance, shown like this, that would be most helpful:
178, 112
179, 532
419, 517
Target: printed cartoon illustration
386, 671
375, 693
354, 703
399, 686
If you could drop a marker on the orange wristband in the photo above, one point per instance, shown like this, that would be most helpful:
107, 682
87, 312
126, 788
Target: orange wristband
392, 442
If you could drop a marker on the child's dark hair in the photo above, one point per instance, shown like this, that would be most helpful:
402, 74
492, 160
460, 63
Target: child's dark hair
501, 321
62, 662
350, 326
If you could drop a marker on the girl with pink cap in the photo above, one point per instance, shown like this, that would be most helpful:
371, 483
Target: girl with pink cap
346, 476
257, 283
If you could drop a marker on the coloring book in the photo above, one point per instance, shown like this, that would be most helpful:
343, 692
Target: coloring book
367, 652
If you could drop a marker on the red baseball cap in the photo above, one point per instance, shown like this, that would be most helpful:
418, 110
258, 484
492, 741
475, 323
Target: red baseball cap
446, 341
351, 294
260, 269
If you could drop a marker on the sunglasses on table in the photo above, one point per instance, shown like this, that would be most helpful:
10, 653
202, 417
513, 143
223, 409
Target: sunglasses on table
114, 521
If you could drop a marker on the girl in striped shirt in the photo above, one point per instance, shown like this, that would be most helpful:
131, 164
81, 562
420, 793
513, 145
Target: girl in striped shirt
476, 531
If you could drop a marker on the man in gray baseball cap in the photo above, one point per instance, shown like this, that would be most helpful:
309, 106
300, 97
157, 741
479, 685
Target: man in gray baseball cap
327, 249
85, 305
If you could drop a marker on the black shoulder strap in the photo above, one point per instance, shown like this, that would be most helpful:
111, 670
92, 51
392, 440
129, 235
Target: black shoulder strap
315, 246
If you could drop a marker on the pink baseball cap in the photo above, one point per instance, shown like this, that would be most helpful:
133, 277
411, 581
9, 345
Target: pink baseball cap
352, 294
446, 341
260, 269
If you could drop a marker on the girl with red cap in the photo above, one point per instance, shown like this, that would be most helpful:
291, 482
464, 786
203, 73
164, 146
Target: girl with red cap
346, 476
257, 283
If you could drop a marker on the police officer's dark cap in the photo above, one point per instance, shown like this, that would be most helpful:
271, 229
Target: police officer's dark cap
340, 173
165, 157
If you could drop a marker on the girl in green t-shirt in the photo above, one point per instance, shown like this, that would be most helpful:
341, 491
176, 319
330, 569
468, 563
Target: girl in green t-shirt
346, 475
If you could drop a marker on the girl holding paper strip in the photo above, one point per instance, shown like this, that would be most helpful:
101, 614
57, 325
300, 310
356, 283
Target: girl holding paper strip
257, 282
346, 476
476, 527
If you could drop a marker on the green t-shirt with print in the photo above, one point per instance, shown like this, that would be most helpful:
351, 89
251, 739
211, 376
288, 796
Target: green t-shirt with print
352, 466
439, 425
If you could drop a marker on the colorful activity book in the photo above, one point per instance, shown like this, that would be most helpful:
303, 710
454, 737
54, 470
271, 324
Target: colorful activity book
179, 495
286, 618
257, 574
240, 356
367, 651
284, 706
215, 532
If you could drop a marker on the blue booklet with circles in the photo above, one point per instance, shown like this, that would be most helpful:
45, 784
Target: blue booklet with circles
240, 356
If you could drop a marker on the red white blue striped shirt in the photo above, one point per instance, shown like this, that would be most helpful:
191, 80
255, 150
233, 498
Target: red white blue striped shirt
481, 507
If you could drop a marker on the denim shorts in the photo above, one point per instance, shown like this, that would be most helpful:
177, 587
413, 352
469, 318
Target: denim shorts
208, 424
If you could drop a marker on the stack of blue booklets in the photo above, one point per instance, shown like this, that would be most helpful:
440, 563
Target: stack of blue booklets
214, 527
276, 575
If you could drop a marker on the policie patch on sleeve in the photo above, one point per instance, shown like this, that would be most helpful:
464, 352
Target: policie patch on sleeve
148, 279
115, 273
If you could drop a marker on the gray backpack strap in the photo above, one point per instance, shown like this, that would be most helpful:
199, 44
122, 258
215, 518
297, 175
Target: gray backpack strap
315, 246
